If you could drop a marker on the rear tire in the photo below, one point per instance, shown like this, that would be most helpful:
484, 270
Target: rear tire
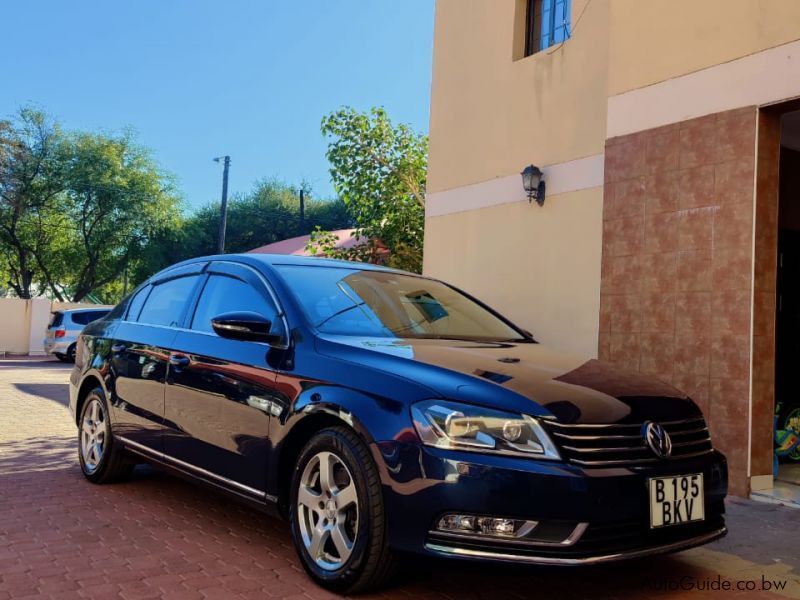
338, 522
102, 459
61, 357
71, 353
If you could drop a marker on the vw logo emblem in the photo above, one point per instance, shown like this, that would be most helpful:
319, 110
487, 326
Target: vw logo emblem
657, 439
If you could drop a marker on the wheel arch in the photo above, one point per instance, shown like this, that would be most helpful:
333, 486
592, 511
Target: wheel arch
89, 382
313, 419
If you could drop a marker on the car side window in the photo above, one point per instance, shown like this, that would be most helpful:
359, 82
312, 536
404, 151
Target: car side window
91, 317
223, 294
135, 304
98, 314
167, 301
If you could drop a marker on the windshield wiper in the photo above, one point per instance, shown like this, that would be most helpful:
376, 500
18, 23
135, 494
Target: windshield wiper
337, 313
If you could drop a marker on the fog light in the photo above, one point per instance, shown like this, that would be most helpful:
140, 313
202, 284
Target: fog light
457, 522
488, 526
497, 526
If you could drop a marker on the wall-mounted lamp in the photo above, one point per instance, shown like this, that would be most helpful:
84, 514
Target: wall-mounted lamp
533, 183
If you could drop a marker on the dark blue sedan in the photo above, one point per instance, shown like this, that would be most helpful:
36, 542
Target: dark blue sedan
383, 413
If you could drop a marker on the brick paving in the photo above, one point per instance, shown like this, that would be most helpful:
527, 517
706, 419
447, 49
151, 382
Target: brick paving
159, 537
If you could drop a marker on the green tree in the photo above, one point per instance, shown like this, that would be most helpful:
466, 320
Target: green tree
270, 212
30, 189
379, 170
116, 199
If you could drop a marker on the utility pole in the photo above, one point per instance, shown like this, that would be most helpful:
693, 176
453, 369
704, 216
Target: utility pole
223, 217
302, 210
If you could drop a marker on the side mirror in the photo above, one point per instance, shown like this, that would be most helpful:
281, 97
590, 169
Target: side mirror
245, 325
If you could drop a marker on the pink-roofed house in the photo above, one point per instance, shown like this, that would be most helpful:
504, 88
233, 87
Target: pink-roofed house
297, 245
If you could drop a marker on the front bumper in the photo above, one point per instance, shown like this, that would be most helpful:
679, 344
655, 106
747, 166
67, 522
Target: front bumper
450, 551
591, 515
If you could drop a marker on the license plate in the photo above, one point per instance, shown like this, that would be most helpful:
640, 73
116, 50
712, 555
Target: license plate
676, 500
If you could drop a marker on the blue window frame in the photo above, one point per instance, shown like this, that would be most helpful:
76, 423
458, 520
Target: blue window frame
547, 24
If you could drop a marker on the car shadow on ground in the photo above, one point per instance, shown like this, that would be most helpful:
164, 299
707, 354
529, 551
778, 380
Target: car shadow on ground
20, 363
57, 392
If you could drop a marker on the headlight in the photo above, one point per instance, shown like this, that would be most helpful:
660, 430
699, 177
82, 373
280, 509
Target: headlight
456, 426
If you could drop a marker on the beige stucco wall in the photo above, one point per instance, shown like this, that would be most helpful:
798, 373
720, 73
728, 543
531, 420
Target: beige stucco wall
492, 115
15, 319
23, 323
493, 112
656, 40
541, 268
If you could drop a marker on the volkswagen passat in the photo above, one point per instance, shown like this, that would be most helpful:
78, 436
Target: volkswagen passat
382, 412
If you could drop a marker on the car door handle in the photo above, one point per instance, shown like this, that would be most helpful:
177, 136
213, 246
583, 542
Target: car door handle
117, 348
178, 360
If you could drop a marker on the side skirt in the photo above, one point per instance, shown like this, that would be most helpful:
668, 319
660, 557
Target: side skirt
250, 496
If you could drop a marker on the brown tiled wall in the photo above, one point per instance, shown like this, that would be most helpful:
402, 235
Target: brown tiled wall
765, 288
677, 265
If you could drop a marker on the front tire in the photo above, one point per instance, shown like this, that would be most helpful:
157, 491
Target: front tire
337, 514
102, 460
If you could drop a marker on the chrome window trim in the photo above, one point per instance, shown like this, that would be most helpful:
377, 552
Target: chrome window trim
171, 459
602, 558
264, 281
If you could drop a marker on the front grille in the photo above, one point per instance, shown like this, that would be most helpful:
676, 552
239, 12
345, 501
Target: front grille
621, 445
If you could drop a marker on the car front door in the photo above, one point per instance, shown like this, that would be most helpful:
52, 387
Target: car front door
221, 392
139, 359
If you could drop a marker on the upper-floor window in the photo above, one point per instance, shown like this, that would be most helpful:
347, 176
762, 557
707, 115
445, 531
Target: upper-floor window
547, 24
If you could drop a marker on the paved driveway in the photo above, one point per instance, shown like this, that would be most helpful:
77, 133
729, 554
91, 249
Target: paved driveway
159, 537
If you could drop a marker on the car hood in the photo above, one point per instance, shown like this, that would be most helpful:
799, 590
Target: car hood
524, 377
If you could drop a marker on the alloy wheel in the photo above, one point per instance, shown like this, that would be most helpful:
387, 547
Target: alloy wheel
327, 507
93, 435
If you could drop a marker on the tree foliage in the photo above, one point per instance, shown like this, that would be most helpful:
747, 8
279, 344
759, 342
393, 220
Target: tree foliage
270, 212
88, 215
116, 200
30, 185
75, 209
379, 170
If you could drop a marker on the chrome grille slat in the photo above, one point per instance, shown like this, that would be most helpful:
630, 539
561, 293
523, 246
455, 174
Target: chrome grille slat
606, 425
632, 448
609, 445
635, 461
597, 437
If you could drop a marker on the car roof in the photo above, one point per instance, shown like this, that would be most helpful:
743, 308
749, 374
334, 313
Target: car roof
73, 310
281, 259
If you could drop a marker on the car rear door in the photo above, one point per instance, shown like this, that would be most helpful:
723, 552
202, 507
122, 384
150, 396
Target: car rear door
221, 392
140, 357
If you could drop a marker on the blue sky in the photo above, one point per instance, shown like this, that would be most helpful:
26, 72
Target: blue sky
196, 79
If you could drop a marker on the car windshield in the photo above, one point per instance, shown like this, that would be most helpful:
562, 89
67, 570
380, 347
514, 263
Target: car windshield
346, 301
